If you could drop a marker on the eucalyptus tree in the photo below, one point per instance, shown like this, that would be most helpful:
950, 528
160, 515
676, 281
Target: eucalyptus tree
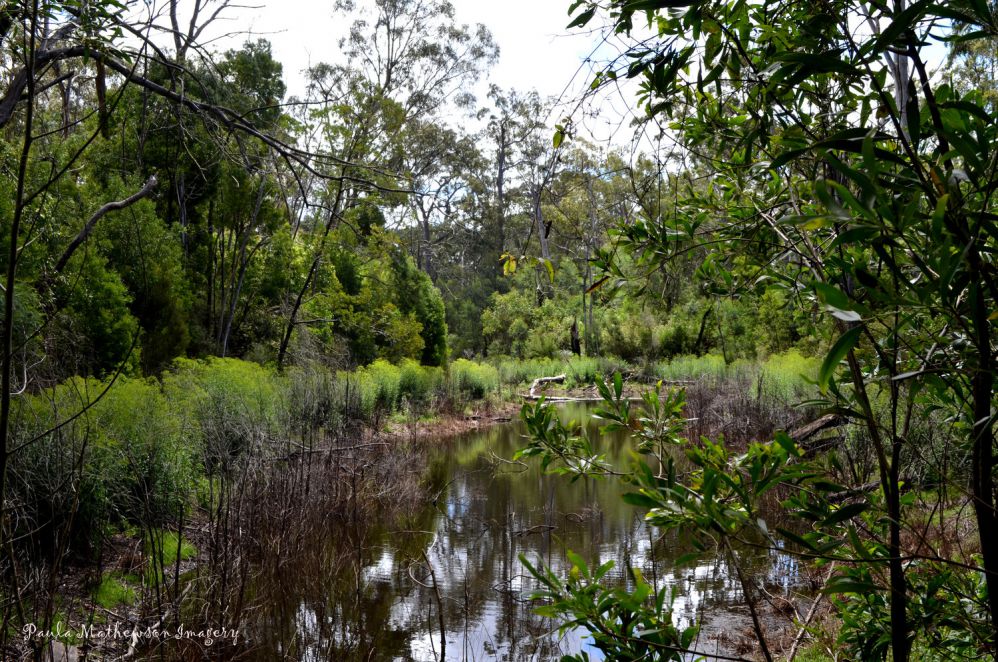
77, 193
842, 171
437, 161
416, 53
410, 62
514, 122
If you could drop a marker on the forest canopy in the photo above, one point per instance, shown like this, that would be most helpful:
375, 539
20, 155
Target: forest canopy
817, 197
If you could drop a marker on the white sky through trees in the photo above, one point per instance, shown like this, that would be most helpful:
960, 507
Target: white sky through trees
536, 50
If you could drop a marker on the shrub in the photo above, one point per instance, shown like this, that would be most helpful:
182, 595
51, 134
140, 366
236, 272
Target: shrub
681, 368
582, 371
378, 384
141, 453
231, 407
418, 384
122, 460
784, 377
472, 381
315, 399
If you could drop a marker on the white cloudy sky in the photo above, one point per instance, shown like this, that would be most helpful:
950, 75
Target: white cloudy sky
537, 52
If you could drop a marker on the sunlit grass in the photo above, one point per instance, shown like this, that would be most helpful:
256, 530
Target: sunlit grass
114, 591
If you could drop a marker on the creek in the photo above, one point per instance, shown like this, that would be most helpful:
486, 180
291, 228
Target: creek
446, 582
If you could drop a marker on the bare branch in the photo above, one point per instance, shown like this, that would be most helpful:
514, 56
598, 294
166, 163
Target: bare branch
143, 192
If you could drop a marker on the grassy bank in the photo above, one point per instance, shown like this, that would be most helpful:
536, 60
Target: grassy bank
129, 492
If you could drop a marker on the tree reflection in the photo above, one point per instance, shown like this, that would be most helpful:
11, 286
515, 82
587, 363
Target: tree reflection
452, 565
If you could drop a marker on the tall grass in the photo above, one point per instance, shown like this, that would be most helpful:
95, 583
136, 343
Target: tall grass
379, 386
783, 376
686, 368
789, 377
472, 381
743, 400
579, 371
517, 371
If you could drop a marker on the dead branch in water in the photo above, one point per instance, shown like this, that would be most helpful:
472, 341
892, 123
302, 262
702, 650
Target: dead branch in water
558, 379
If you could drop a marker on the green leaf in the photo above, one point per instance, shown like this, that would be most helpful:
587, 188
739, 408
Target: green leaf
652, 5
582, 19
835, 355
902, 23
550, 269
640, 500
831, 295
855, 235
844, 513
846, 584
794, 538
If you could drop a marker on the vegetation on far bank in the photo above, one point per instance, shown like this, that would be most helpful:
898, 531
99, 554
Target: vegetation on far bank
210, 286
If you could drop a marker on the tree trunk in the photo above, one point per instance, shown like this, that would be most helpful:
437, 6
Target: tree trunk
244, 261
501, 198
982, 450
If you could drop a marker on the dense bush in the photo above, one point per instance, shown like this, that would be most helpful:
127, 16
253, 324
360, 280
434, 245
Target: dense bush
378, 384
230, 407
472, 381
138, 450
419, 384
122, 460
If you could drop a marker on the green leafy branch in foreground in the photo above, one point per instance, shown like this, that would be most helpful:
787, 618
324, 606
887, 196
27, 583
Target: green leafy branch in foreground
721, 500
620, 621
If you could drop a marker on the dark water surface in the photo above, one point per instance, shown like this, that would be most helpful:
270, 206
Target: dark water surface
448, 584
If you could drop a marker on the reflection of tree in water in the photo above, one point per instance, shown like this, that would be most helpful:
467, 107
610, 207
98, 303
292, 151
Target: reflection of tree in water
382, 597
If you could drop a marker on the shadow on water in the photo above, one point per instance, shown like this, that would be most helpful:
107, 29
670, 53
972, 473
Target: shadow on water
445, 582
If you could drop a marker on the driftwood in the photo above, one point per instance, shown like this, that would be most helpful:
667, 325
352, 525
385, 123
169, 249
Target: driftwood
826, 422
809, 436
559, 379
854, 492
557, 399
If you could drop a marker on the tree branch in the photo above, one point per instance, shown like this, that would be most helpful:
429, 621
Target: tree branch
143, 192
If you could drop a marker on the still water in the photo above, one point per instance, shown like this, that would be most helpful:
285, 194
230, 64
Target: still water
447, 583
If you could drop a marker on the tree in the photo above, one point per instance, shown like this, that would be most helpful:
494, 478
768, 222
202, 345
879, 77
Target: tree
415, 53
841, 169
93, 268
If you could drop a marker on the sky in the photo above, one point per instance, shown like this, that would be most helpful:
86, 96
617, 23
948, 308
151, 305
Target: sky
536, 52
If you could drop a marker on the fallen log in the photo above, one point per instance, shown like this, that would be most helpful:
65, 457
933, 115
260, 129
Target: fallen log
854, 492
826, 422
558, 379
557, 399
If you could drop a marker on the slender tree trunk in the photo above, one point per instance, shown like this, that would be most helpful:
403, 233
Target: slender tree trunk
501, 198
982, 450
542, 235
10, 282
282, 351
426, 243
889, 479
244, 261
544, 289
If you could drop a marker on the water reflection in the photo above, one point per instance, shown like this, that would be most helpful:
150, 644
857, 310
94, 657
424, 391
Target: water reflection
446, 583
